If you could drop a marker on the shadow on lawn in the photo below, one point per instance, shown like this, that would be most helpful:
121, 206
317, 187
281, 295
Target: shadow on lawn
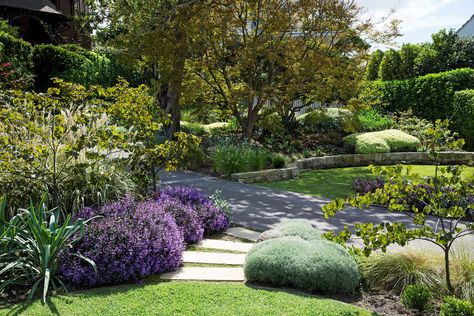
349, 299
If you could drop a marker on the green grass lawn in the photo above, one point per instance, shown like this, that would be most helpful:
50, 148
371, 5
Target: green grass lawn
336, 183
187, 298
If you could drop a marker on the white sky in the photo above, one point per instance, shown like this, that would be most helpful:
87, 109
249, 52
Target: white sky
421, 18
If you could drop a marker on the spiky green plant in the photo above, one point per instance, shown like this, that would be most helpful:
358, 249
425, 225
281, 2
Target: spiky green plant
32, 244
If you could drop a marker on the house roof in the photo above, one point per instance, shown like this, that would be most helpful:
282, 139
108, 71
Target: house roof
463, 26
44, 6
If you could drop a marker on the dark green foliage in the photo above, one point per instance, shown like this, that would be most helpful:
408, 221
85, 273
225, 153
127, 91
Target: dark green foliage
390, 66
429, 96
416, 297
463, 116
455, 307
234, 158
447, 52
17, 52
57, 62
76, 64
318, 266
278, 161
371, 120
408, 55
372, 69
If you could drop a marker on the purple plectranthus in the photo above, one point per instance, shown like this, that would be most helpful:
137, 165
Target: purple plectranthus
364, 186
187, 219
213, 219
128, 242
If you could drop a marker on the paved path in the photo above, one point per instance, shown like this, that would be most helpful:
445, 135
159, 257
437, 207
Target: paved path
262, 208
209, 271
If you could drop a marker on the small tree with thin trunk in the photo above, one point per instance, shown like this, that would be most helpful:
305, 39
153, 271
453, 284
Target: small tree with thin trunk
447, 197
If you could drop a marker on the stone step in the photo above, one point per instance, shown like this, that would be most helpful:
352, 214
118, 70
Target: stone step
241, 232
224, 245
213, 258
205, 274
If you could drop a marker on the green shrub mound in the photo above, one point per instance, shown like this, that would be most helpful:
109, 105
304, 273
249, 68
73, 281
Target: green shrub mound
390, 140
318, 265
416, 296
463, 120
324, 119
455, 307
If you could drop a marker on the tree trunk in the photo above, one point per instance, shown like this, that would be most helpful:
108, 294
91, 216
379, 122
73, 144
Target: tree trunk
173, 95
447, 270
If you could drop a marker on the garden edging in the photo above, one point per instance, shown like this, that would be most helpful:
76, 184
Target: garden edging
267, 175
355, 160
350, 160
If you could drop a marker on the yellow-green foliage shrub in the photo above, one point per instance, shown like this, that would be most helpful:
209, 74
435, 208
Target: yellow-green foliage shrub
390, 140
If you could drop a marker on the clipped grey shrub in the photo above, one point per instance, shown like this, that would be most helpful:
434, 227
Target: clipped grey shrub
318, 265
269, 234
298, 227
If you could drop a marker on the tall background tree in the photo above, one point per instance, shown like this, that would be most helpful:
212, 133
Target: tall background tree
269, 53
160, 34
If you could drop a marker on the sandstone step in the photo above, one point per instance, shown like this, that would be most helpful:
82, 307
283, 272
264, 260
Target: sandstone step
205, 274
224, 245
213, 258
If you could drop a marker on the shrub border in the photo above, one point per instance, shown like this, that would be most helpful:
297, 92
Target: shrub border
352, 160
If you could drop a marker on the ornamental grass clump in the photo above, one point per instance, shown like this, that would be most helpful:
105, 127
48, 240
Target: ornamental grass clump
213, 218
128, 242
319, 266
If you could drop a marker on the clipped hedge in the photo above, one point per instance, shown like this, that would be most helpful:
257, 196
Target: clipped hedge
430, 96
55, 61
463, 116
318, 265
390, 140
295, 227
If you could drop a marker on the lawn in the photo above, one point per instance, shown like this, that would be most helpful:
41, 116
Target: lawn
336, 183
187, 298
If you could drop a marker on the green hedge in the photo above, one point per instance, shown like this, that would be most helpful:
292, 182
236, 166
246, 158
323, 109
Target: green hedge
77, 64
429, 96
390, 140
318, 265
18, 52
56, 61
463, 116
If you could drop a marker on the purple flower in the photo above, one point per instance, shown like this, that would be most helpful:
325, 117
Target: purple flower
364, 186
130, 241
213, 219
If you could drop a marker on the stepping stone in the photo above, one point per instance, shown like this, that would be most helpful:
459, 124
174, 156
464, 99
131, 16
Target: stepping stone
224, 245
213, 258
205, 274
241, 232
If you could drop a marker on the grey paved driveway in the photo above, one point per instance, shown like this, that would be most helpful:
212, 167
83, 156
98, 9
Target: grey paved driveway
261, 208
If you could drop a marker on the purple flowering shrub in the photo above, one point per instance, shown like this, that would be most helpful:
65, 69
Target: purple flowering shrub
364, 186
187, 219
130, 241
419, 197
213, 218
